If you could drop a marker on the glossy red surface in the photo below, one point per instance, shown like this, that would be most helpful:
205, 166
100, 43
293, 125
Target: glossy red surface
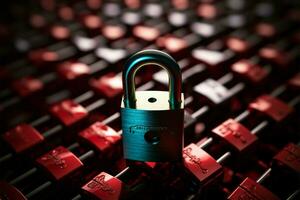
237, 44
27, 85
172, 43
207, 11
59, 162
265, 29
60, 32
235, 134
100, 136
113, 32
290, 157
200, 163
109, 85
68, 111
252, 72
274, 108
66, 13
295, 81
257, 190
92, 21
73, 70
22, 137
275, 55
37, 21
42, 55
146, 32
104, 187
9, 192
250, 189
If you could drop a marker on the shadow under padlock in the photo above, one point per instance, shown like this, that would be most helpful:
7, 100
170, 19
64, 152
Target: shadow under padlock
152, 121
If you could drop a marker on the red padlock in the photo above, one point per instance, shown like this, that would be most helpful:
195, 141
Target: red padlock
60, 32
23, 137
200, 163
109, 85
101, 136
237, 44
250, 189
294, 82
272, 107
90, 21
59, 162
235, 134
290, 157
275, 55
249, 71
41, 56
146, 33
172, 43
9, 192
73, 70
68, 112
104, 187
27, 85
113, 32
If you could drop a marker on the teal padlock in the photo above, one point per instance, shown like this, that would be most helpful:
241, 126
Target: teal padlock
152, 121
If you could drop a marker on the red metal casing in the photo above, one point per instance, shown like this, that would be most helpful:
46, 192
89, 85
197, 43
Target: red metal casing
235, 134
59, 162
68, 112
101, 136
23, 137
250, 71
27, 85
9, 192
109, 85
272, 107
250, 189
200, 163
73, 70
104, 187
290, 157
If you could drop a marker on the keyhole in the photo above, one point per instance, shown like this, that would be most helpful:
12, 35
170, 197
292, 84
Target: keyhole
152, 137
152, 99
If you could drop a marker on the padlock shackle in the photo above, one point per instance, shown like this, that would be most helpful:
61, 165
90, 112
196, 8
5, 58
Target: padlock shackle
152, 57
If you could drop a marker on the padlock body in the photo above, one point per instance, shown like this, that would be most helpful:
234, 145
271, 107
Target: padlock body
151, 131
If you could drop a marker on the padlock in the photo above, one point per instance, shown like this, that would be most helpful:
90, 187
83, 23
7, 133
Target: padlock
73, 70
272, 107
250, 71
234, 133
8, 191
289, 157
23, 137
27, 86
104, 186
250, 189
200, 163
59, 162
294, 82
68, 111
100, 136
152, 121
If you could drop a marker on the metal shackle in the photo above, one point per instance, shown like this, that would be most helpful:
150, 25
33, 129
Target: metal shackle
152, 57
